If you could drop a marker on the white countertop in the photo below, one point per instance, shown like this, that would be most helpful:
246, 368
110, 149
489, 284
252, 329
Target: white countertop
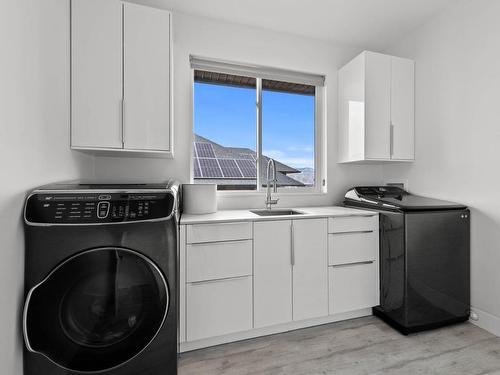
246, 215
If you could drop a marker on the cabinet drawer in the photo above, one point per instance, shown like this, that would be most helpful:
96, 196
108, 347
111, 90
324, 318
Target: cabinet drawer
353, 287
217, 308
199, 233
352, 224
218, 260
352, 247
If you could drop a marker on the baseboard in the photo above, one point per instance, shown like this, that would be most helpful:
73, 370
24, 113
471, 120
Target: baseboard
486, 321
265, 331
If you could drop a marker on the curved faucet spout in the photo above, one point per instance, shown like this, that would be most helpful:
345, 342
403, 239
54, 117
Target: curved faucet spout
271, 164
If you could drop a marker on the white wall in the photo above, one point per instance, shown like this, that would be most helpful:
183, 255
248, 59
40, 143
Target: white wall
211, 38
458, 131
34, 131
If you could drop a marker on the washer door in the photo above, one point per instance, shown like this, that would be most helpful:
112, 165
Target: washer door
96, 310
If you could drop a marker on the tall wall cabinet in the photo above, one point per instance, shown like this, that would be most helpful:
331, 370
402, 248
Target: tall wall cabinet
376, 109
121, 77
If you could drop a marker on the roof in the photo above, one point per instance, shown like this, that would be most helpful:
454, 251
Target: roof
215, 78
215, 163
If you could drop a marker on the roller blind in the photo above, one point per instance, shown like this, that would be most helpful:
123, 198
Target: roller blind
256, 71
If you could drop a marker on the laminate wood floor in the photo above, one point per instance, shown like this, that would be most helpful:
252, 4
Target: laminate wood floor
353, 347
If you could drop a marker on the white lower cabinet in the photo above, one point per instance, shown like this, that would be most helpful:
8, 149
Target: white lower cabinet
218, 260
244, 279
218, 307
310, 278
353, 287
272, 273
344, 248
290, 271
353, 274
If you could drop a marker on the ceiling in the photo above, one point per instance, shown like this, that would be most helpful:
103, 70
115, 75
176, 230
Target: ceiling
362, 23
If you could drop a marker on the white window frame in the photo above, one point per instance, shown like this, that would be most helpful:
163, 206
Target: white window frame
320, 186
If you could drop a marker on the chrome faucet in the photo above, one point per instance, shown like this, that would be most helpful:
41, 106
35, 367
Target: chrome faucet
269, 200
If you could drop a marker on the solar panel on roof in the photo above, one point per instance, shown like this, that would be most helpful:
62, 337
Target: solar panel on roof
246, 156
210, 168
197, 172
229, 168
247, 167
204, 150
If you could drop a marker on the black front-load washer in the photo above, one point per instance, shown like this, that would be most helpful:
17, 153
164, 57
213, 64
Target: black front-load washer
101, 279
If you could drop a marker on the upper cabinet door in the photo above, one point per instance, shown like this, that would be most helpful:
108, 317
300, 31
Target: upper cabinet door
146, 62
96, 73
377, 105
403, 108
310, 269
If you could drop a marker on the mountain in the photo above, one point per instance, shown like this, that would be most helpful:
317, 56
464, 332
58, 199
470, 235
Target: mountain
306, 176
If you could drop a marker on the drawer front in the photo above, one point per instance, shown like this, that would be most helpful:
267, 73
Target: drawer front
199, 233
217, 308
353, 287
352, 247
218, 260
352, 224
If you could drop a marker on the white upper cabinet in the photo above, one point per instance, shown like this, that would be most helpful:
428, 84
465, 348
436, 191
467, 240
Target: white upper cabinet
376, 109
403, 108
146, 110
121, 77
96, 74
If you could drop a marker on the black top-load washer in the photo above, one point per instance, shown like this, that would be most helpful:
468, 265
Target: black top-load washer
424, 257
101, 279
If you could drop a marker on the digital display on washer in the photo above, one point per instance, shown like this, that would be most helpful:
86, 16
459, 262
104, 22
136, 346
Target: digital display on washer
90, 208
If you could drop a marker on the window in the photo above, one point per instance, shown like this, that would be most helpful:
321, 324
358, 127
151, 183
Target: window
243, 120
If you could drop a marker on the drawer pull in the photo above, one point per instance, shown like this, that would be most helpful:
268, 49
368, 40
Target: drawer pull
354, 232
353, 264
221, 241
364, 215
218, 280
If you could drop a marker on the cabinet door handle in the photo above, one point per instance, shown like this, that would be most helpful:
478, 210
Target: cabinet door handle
392, 140
123, 123
292, 255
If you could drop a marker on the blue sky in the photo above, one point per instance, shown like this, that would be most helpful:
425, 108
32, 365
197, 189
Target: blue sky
227, 115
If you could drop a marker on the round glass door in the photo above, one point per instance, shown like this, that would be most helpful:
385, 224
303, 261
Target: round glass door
97, 310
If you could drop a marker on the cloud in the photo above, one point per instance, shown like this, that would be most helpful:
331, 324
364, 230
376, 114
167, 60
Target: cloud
295, 162
303, 148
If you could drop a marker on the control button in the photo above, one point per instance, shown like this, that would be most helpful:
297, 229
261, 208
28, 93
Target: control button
102, 210
104, 197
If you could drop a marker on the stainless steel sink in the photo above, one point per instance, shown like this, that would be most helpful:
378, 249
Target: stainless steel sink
276, 212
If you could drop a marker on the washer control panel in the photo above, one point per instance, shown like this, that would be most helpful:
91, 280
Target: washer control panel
90, 208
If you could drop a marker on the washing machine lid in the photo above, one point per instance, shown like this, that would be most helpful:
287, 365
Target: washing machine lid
108, 186
97, 310
395, 198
